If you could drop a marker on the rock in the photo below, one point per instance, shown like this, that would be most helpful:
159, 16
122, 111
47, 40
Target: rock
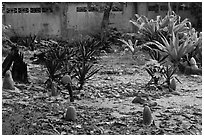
8, 82
192, 61
173, 84
175, 93
194, 66
54, 91
66, 79
147, 116
153, 104
70, 114
138, 100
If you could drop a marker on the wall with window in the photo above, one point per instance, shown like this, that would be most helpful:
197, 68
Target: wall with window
83, 18
80, 18
32, 18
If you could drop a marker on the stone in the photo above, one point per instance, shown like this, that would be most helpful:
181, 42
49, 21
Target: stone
54, 91
71, 114
147, 116
192, 61
8, 82
66, 80
138, 100
173, 84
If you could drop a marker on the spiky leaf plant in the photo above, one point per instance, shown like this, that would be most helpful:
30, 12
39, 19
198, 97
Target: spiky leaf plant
174, 48
83, 72
168, 73
154, 69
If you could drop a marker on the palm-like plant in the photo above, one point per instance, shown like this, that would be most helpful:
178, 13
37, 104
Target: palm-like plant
197, 52
154, 69
156, 55
83, 72
53, 68
174, 48
150, 30
168, 73
133, 47
86, 49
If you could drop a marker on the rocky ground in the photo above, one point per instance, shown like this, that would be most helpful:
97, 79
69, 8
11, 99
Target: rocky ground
105, 105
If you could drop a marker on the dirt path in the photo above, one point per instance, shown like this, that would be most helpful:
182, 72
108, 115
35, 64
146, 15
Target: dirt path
105, 104
188, 100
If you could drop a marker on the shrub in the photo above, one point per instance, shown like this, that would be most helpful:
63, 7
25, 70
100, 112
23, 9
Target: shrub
175, 49
83, 71
107, 38
75, 60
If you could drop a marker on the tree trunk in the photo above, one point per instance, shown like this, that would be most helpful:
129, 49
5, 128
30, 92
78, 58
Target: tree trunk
106, 15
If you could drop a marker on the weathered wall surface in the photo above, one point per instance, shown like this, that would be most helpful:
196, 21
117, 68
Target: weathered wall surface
90, 22
25, 24
67, 22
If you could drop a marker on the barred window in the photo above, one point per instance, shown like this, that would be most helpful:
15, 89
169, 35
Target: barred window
81, 9
11, 10
23, 10
93, 9
35, 10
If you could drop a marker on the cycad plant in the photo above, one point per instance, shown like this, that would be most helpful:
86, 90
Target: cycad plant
53, 69
175, 49
168, 73
133, 47
86, 49
150, 30
197, 52
154, 69
84, 71
156, 55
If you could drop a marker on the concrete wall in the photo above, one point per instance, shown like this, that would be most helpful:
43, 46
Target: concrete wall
24, 24
81, 22
121, 20
90, 22
68, 22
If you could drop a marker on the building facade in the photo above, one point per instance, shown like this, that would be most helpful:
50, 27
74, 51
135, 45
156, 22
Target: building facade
68, 20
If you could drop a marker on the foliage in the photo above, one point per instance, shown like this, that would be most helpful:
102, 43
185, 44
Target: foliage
83, 71
29, 41
86, 49
197, 52
7, 31
53, 67
168, 73
75, 59
174, 48
106, 38
159, 72
132, 47
154, 69
150, 30
156, 55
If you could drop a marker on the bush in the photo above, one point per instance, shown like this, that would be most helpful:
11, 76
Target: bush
75, 59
